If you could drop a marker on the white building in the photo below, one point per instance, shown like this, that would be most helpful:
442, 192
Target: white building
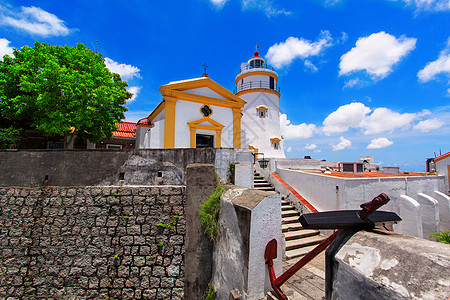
194, 113
443, 168
256, 84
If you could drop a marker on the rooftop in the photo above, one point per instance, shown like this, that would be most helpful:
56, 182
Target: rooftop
371, 174
125, 130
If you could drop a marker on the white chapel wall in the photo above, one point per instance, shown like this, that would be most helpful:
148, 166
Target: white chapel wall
186, 111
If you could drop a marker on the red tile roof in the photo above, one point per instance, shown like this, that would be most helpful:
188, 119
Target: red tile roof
125, 130
442, 156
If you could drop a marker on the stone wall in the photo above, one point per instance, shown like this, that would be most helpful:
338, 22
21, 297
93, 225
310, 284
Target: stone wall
92, 242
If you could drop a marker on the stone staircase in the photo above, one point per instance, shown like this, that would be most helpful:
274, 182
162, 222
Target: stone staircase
261, 184
299, 241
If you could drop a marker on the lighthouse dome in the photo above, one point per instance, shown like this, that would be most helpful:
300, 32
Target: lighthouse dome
256, 61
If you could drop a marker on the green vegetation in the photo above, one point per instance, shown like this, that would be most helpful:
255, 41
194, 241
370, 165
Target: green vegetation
209, 212
63, 91
10, 138
444, 236
231, 168
210, 293
160, 244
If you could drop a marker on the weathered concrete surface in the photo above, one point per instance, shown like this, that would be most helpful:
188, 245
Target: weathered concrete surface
372, 265
198, 248
444, 210
430, 214
99, 167
249, 219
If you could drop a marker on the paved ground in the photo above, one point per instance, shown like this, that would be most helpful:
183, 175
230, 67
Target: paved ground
309, 282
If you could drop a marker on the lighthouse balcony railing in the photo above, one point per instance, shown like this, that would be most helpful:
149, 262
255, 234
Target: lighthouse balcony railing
249, 67
256, 85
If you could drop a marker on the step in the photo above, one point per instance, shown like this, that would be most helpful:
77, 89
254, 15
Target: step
291, 227
260, 181
289, 213
289, 220
262, 184
265, 188
304, 242
284, 202
299, 252
287, 207
299, 234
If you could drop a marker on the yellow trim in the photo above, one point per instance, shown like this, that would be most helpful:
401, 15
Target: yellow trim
261, 107
275, 139
212, 111
206, 100
258, 90
169, 123
146, 125
216, 126
253, 148
257, 73
171, 89
158, 109
237, 115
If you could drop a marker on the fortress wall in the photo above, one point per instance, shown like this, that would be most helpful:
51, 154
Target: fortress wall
92, 242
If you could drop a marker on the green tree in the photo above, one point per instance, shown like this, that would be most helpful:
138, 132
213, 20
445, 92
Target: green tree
60, 90
10, 138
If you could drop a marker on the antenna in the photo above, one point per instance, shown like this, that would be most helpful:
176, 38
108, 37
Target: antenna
96, 46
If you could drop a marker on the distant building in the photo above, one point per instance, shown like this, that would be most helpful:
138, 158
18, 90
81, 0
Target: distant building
124, 137
443, 168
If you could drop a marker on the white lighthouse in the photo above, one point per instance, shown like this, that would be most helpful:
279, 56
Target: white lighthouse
256, 84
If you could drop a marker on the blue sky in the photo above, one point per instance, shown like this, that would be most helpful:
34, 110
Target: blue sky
357, 77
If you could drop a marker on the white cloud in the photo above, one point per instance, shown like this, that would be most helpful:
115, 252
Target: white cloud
346, 116
289, 149
353, 82
428, 125
310, 147
266, 6
357, 115
383, 119
282, 54
311, 66
290, 131
343, 144
376, 54
135, 91
218, 3
5, 49
34, 20
125, 71
433, 5
379, 143
439, 66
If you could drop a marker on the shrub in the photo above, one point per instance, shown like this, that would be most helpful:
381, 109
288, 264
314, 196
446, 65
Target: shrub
209, 212
210, 293
10, 138
444, 236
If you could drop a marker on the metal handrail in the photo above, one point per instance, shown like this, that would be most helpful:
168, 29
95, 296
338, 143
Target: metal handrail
256, 85
248, 67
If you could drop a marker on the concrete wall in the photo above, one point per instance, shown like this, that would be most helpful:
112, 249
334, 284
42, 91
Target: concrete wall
370, 265
103, 167
249, 219
92, 243
199, 249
